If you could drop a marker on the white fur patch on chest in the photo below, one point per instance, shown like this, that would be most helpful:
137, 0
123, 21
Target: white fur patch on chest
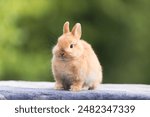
90, 78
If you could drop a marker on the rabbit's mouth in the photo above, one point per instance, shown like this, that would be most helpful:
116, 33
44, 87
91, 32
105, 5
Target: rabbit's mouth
63, 58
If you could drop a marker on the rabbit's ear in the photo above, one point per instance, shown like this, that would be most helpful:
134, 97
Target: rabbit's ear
76, 31
66, 27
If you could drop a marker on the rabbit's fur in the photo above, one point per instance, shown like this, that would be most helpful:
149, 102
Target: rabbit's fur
75, 66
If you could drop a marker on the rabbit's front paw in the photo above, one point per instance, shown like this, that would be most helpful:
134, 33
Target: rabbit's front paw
75, 88
58, 86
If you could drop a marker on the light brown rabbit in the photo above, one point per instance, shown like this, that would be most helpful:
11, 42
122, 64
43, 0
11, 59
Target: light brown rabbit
75, 66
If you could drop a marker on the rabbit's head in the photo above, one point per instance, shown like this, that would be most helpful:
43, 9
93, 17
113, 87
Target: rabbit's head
69, 46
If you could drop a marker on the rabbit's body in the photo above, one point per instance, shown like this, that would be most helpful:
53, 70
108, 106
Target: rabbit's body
75, 70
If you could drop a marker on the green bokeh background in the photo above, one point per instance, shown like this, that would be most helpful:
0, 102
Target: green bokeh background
118, 30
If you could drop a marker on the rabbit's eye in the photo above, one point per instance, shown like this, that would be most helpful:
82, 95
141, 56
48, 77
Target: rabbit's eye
71, 46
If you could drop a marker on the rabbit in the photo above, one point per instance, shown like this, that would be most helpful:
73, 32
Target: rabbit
75, 66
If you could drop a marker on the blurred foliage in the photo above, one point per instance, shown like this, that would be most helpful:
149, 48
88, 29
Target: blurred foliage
118, 31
